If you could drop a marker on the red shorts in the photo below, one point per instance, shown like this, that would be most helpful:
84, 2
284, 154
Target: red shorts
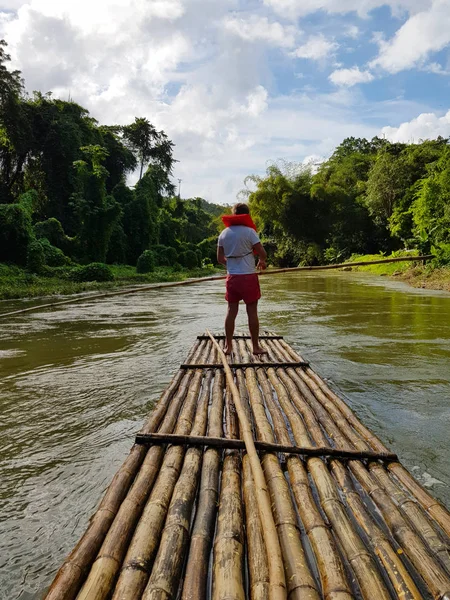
243, 287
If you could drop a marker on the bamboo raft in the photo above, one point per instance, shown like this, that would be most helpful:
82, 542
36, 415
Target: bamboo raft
255, 480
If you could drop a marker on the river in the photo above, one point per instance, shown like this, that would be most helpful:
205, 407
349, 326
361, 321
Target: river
77, 381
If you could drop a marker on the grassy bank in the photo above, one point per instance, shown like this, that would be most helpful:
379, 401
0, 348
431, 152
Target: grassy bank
19, 283
428, 276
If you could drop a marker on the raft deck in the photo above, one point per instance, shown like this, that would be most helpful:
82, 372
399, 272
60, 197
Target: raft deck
180, 518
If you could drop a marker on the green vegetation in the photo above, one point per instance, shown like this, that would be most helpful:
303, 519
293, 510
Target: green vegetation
67, 215
17, 282
370, 197
433, 275
386, 269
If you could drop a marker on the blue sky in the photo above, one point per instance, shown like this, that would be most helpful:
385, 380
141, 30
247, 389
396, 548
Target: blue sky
237, 83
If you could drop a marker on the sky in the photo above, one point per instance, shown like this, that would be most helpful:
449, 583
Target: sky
238, 84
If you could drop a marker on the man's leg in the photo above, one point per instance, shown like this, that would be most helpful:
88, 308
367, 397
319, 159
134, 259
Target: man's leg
233, 308
253, 325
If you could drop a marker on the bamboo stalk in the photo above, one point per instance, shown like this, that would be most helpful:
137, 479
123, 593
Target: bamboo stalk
330, 567
364, 567
165, 577
71, 575
430, 570
227, 583
432, 506
141, 552
276, 571
391, 562
196, 578
198, 440
300, 583
412, 511
415, 515
399, 576
257, 557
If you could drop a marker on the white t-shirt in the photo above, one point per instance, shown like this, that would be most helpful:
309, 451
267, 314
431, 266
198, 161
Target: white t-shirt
237, 242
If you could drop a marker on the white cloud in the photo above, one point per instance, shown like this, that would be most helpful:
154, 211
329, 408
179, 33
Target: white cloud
293, 9
316, 47
256, 28
199, 70
436, 68
349, 77
424, 127
352, 32
422, 34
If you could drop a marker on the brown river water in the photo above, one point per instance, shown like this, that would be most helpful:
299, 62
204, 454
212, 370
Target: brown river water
76, 383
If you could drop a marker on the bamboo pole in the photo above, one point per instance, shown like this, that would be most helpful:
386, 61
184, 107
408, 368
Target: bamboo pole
165, 576
228, 555
158, 286
432, 506
390, 560
300, 583
333, 579
196, 578
411, 509
415, 515
140, 555
71, 575
430, 570
364, 567
398, 574
276, 571
109, 560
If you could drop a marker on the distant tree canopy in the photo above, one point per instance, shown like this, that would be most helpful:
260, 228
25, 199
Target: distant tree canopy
369, 196
63, 189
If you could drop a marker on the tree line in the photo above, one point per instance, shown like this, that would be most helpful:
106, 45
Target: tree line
368, 197
64, 197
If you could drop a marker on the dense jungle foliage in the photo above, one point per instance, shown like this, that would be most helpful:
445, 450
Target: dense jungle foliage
64, 199
369, 197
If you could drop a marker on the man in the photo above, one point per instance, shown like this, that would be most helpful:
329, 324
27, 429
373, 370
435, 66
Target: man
236, 247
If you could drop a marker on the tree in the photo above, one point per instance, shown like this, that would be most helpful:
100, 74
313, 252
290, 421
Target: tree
150, 145
97, 213
431, 208
15, 133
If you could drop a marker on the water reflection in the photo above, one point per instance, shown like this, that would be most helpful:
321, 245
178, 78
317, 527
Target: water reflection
77, 382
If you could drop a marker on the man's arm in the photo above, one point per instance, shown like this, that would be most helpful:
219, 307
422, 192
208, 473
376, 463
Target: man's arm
221, 259
262, 255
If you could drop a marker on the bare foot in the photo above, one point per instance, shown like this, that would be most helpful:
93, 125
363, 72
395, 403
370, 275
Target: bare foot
259, 350
227, 351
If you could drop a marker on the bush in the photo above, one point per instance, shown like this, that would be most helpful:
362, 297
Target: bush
188, 259
442, 254
165, 256
52, 230
146, 262
92, 272
208, 248
54, 257
15, 233
35, 257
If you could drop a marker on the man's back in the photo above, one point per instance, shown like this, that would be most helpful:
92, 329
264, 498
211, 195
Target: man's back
237, 242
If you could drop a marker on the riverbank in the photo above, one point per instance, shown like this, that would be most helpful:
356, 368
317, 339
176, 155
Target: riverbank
427, 276
16, 283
